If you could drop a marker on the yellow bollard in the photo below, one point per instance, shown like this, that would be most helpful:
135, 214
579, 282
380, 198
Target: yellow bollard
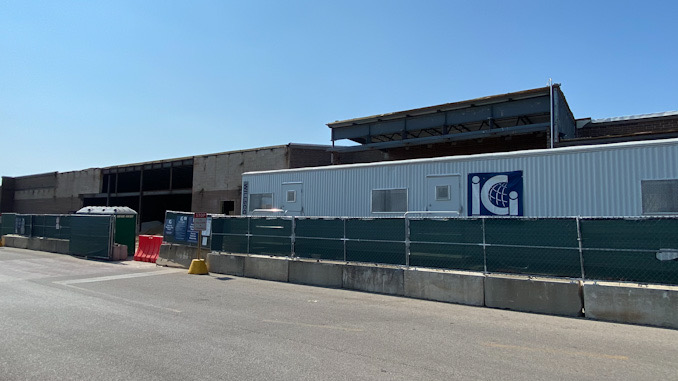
198, 267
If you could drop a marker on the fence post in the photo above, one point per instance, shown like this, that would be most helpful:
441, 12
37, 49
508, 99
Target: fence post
581, 249
484, 247
407, 242
344, 239
248, 235
293, 236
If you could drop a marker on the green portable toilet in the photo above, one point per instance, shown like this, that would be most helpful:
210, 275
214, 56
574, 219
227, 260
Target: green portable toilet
125, 223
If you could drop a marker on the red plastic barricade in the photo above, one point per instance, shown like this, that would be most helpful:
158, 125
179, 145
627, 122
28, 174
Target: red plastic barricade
149, 248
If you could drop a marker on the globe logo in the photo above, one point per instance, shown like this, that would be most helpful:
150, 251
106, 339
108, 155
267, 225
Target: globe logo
495, 194
498, 195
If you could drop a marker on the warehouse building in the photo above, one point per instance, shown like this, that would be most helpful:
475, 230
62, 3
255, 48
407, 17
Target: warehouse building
210, 183
525, 120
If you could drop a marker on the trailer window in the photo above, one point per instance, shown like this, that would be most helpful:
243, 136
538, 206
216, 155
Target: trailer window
261, 201
291, 196
659, 196
442, 192
389, 200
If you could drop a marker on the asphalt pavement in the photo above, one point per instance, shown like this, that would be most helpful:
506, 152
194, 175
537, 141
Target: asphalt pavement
66, 318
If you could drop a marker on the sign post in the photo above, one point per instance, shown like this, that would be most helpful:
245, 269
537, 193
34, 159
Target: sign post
198, 266
199, 224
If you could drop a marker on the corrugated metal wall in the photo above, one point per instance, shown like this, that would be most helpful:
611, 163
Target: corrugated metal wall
602, 180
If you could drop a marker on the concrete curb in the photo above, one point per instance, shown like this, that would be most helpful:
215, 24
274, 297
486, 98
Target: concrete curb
634, 304
179, 256
546, 296
444, 286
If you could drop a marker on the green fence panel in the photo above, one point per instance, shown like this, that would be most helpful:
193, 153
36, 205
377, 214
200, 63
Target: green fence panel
319, 248
628, 249
447, 243
379, 229
319, 238
276, 246
37, 225
319, 228
530, 246
271, 236
8, 223
23, 225
376, 252
91, 235
279, 227
229, 234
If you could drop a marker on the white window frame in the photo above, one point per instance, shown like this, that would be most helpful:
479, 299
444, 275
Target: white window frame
250, 204
449, 192
293, 192
407, 200
642, 198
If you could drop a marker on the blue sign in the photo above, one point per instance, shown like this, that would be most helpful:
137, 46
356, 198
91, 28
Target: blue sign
169, 227
495, 194
180, 228
192, 234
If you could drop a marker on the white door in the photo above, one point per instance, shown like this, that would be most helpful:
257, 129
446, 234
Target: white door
292, 198
443, 193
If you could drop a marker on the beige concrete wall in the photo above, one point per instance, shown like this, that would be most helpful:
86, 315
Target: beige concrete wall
55, 192
218, 177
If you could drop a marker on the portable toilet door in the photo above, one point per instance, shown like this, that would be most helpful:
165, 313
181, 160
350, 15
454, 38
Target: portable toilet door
293, 198
443, 193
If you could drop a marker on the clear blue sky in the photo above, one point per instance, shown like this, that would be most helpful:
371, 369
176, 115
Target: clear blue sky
99, 83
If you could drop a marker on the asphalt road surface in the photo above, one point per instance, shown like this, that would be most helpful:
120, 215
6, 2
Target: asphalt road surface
64, 318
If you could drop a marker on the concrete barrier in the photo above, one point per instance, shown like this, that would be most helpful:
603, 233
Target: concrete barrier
35, 243
268, 268
547, 296
382, 280
446, 286
20, 242
315, 273
62, 246
172, 255
651, 305
229, 264
51, 245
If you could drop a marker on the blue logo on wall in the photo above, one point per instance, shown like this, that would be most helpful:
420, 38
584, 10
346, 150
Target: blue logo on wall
495, 194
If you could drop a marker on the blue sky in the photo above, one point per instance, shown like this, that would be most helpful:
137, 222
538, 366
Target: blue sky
99, 83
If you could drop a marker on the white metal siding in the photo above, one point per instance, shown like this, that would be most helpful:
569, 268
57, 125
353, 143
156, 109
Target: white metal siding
586, 181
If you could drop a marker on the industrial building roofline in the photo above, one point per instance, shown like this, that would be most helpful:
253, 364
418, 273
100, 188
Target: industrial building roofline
525, 94
493, 155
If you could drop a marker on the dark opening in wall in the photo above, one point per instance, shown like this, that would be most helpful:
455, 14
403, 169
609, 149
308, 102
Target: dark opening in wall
153, 207
156, 179
182, 177
227, 207
128, 182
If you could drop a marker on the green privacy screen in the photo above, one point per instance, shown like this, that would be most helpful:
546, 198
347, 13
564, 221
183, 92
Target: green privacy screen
91, 235
533, 246
629, 250
639, 250
447, 244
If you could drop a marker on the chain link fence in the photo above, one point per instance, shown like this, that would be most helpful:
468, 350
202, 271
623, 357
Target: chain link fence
643, 250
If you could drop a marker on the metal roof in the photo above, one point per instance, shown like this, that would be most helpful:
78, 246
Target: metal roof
636, 117
485, 156
445, 107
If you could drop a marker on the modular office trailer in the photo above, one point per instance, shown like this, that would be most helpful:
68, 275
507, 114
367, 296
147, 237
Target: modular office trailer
615, 180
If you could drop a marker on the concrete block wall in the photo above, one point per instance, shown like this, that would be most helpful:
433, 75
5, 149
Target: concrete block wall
624, 303
51, 245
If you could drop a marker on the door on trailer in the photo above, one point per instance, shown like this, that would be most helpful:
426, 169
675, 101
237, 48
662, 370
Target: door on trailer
292, 198
443, 193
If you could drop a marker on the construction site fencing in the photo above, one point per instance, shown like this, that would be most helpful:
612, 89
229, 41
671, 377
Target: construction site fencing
179, 229
89, 235
643, 250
